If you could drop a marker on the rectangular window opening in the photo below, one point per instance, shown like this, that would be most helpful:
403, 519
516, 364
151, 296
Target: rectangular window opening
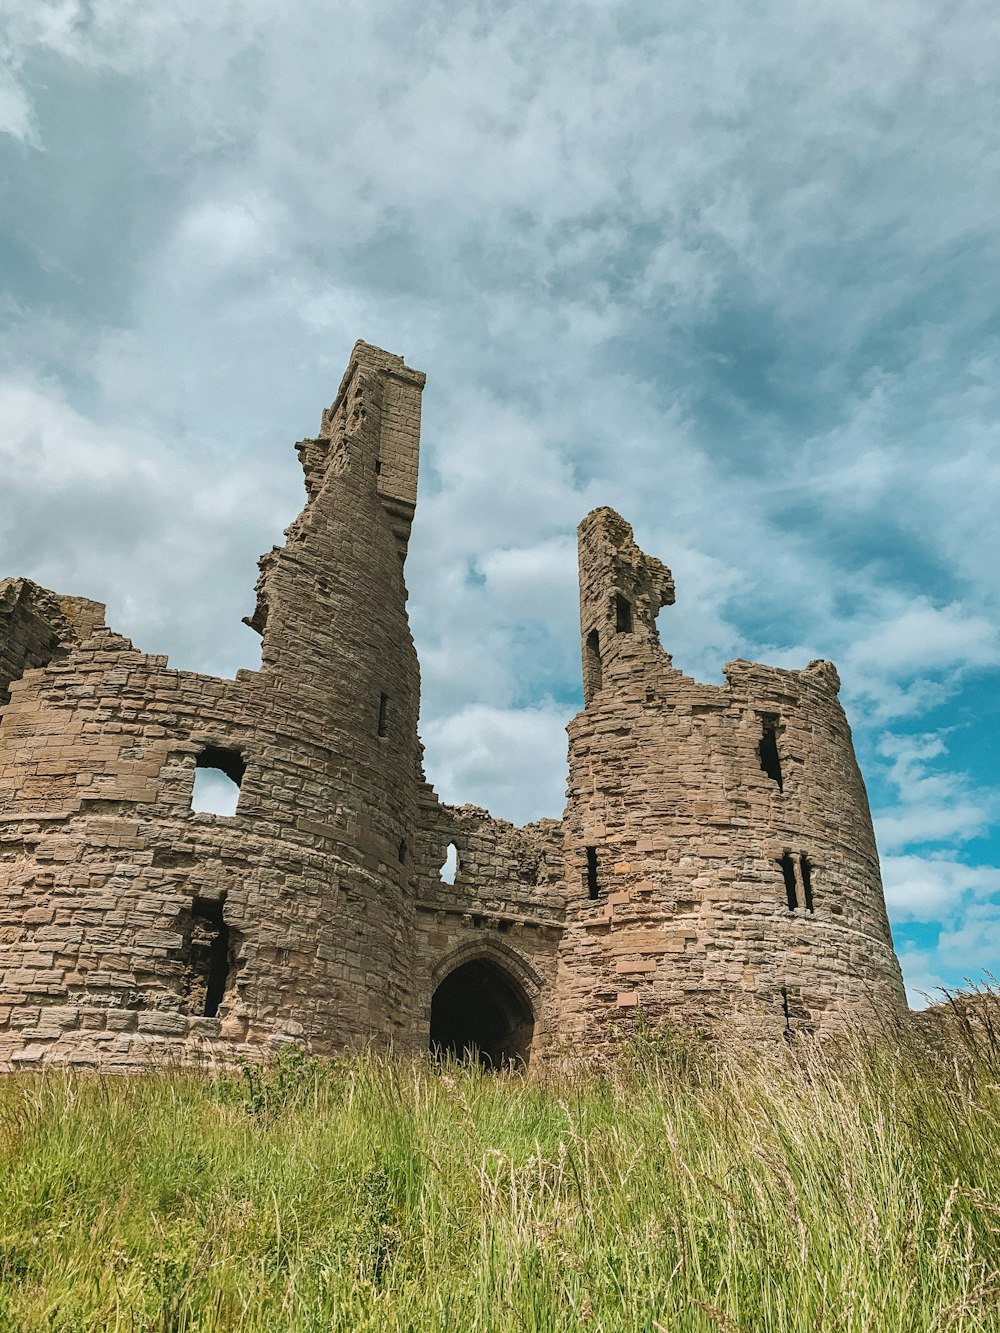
208, 962
218, 775
593, 888
623, 614
791, 889
383, 711
767, 750
807, 887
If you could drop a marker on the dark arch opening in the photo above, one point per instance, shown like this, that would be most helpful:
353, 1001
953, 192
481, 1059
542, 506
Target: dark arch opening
480, 1012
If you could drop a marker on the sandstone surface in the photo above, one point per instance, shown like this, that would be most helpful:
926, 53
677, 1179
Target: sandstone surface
715, 864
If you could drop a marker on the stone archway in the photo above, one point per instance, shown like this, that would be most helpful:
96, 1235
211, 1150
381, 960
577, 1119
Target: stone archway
479, 1010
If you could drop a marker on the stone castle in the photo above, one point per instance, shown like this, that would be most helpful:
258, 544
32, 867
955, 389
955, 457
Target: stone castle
715, 865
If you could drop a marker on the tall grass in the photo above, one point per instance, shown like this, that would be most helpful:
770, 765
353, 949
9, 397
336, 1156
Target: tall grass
686, 1188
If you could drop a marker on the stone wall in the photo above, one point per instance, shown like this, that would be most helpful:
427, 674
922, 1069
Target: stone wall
116, 898
36, 626
677, 902
506, 905
716, 863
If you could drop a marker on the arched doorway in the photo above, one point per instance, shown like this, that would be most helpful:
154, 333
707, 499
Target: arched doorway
479, 1010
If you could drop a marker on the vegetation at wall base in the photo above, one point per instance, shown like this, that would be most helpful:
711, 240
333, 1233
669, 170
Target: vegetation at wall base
851, 1186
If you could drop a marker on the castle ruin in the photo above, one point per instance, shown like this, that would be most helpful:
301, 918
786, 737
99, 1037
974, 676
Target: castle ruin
716, 863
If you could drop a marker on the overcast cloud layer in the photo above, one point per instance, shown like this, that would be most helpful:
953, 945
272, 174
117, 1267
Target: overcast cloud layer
731, 269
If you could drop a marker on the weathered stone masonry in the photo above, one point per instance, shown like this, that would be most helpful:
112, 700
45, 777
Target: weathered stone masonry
715, 864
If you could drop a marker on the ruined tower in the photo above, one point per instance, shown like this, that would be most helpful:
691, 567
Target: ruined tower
716, 862
133, 925
718, 837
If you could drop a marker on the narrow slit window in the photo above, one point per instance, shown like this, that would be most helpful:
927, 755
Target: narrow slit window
218, 776
791, 889
593, 887
208, 961
383, 713
807, 886
767, 751
378, 467
787, 1013
623, 614
594, 674
450, 868
402, 851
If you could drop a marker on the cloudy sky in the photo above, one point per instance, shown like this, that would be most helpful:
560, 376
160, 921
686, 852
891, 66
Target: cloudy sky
729, 268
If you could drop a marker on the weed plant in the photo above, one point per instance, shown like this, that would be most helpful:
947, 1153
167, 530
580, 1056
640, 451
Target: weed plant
849, 1187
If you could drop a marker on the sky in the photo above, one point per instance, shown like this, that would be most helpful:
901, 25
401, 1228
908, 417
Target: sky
731, 269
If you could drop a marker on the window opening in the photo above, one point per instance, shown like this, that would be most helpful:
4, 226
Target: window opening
208, 961
479, 1012
593, 887
767, 750
594, 674
623, 614
402, 851
378, 467
791, 889
807, 887
450, 867
785, 1010
217, 777
383, 711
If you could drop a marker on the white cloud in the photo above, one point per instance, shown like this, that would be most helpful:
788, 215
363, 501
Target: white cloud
927, 638
907, 655
115, 511
972, 944
925, 984
931, 822
513, 758
934, 888
931, 806
214, 793
227, 233
16, 113
536, 582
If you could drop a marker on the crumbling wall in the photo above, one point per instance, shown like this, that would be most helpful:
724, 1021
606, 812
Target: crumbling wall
716, 862
36, 625
102, 856
505, 905
120, 906
677, 905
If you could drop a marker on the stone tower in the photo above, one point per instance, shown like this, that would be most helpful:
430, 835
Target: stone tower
134, 926
716, 862
718, 837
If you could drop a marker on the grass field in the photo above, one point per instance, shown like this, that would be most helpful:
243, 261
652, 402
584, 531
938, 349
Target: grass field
686, 1188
